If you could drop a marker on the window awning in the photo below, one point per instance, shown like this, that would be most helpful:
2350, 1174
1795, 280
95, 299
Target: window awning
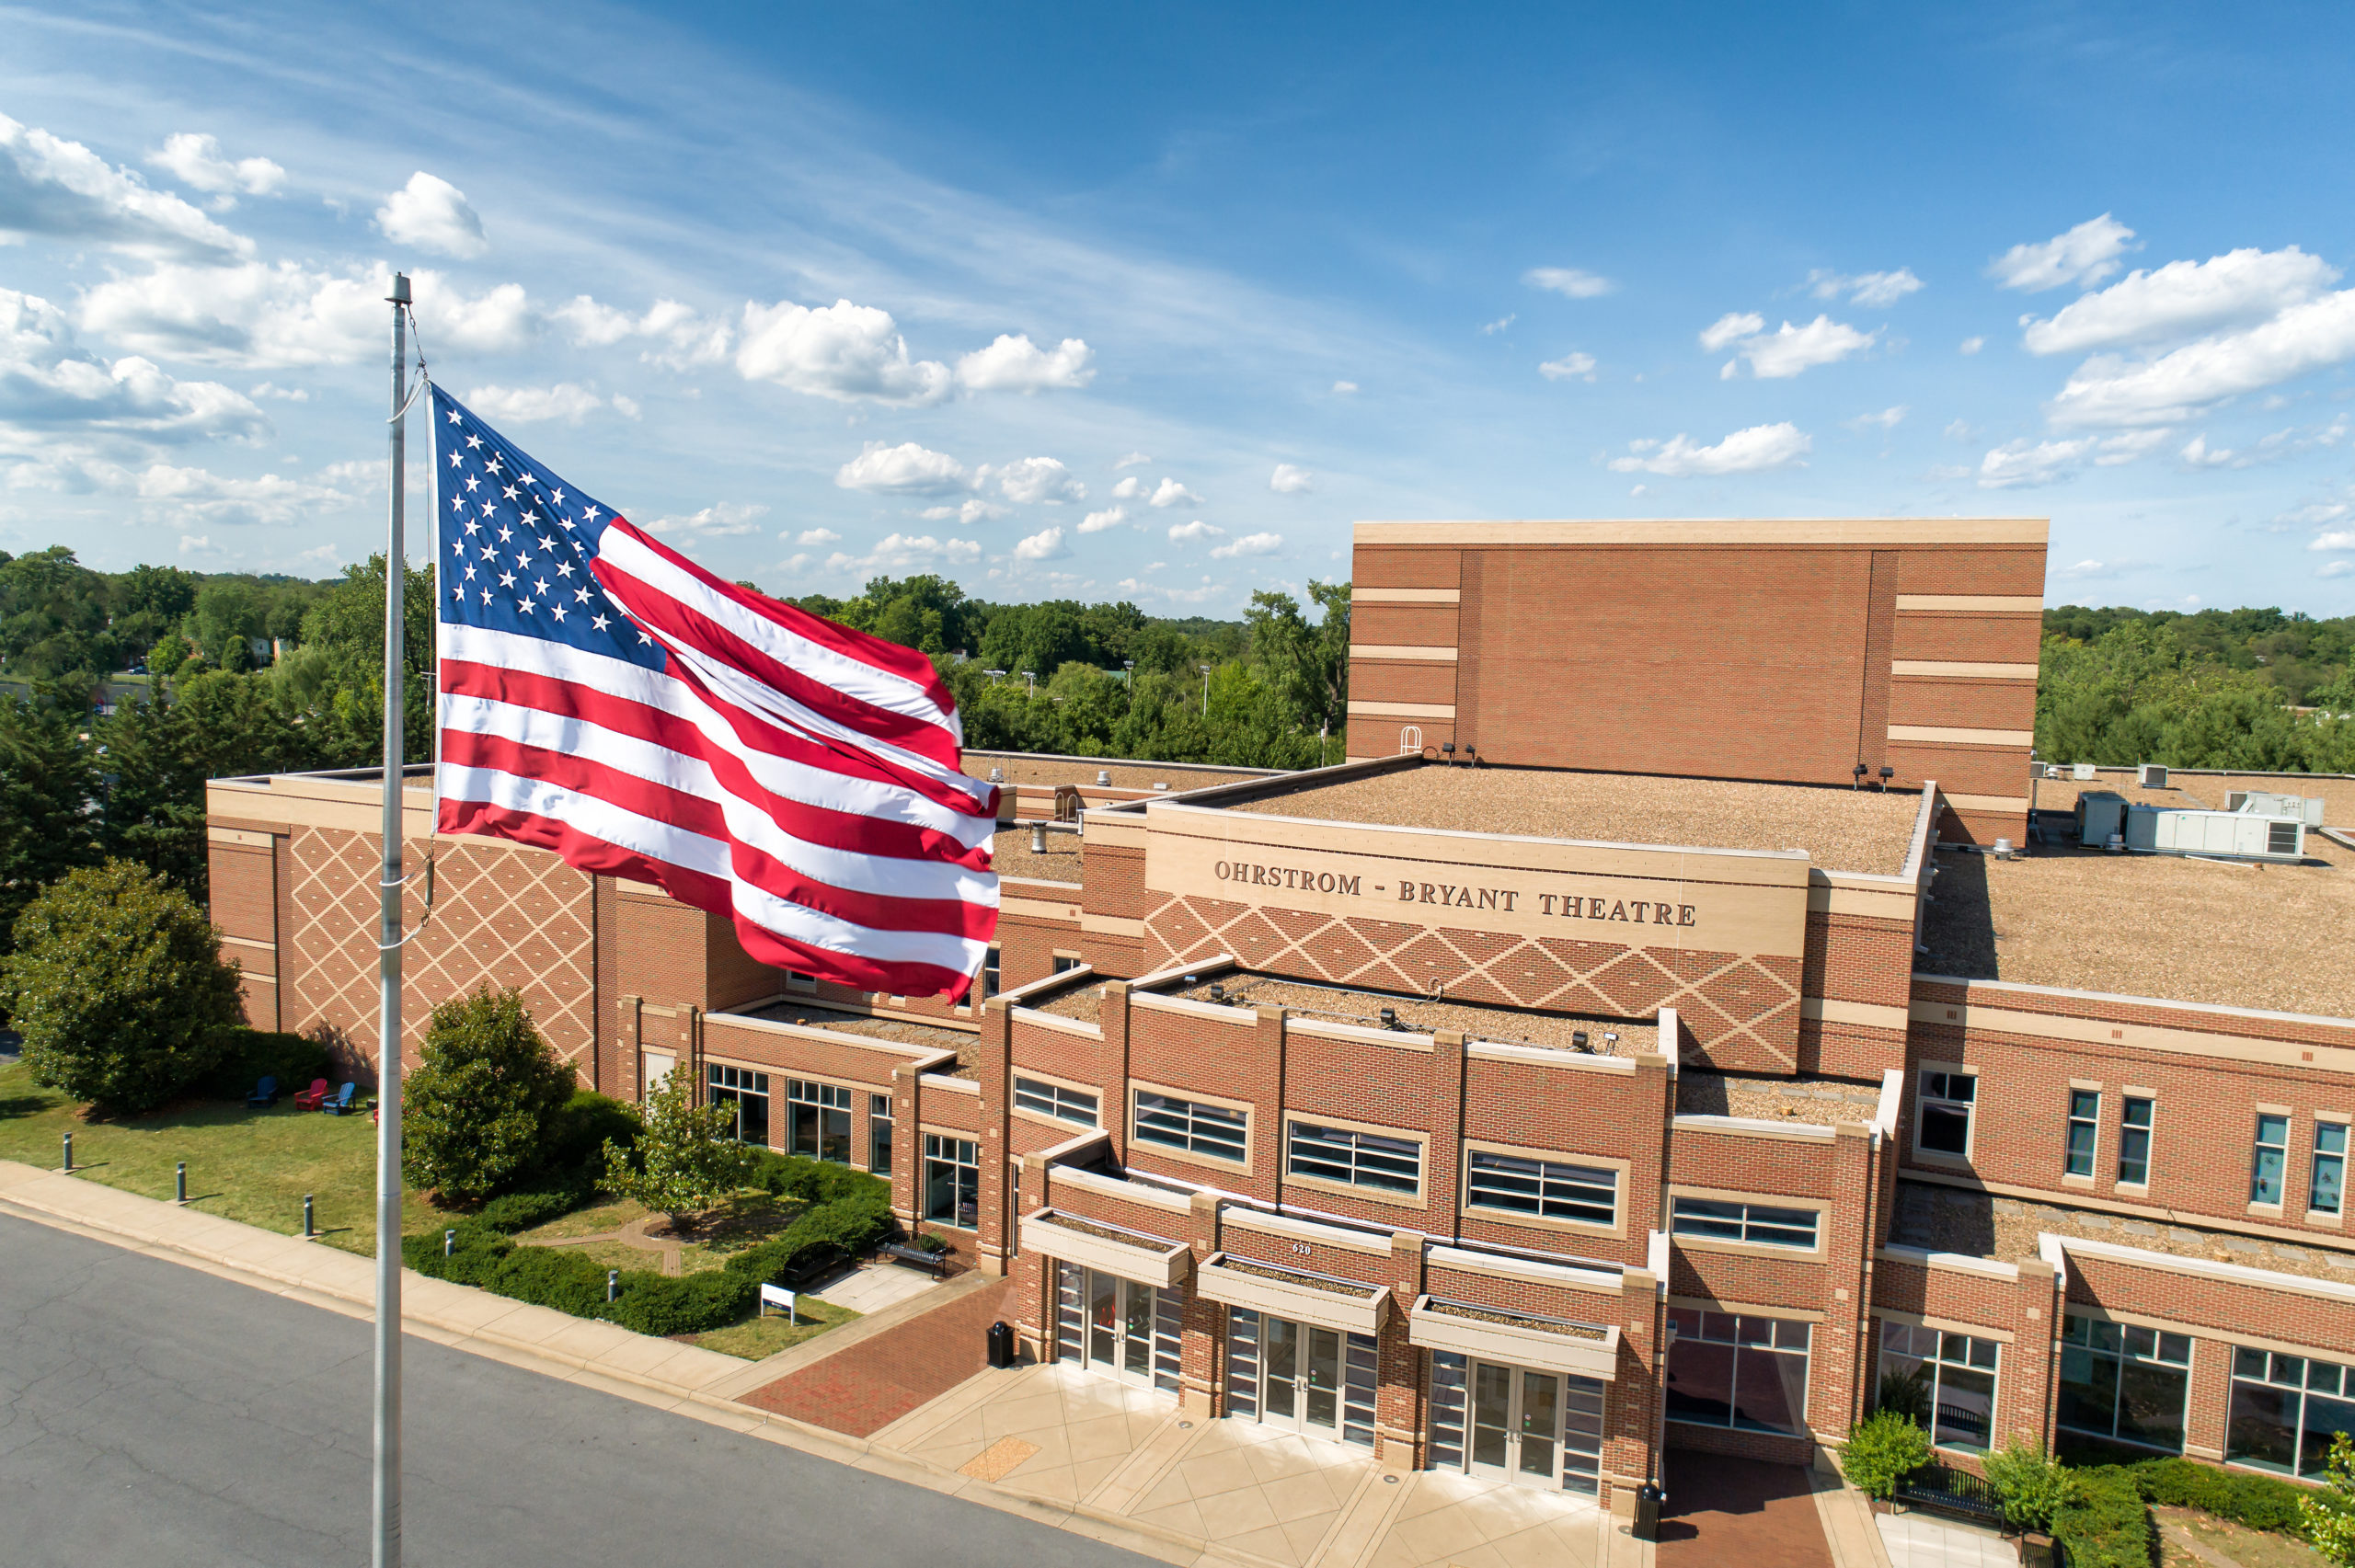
1289, 1293
1587, 1350
1148, 1259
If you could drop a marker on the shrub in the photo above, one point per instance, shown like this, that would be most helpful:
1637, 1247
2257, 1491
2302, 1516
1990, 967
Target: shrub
582, 1129
522, 1211
1883, 1450
117, 988
691, 1305
685, 1160
2328, 1516
2033, 1485
561, 1278
251, 1055
479, 1110
848, 1226
2105, 1523
814, 1181
2257, 1501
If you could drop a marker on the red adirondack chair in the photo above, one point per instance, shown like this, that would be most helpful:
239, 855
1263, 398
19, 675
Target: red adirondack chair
311, 1099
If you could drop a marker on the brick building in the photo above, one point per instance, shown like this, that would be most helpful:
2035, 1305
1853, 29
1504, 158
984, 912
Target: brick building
1611, 1056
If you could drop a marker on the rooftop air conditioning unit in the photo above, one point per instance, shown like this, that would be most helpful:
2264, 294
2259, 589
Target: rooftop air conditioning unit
2104, 815
2083, 773
2152, 775
2306, 808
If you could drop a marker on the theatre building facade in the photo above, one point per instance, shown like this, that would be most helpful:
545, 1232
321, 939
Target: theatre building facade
1642, 1042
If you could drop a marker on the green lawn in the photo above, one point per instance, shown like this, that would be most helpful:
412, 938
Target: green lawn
252, 1166
756, 1337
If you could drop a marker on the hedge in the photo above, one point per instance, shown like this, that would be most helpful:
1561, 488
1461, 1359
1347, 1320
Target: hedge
252, 1055
2105, 1524
2257, 1501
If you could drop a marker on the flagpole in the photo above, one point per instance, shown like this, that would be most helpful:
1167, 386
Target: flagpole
388, 1512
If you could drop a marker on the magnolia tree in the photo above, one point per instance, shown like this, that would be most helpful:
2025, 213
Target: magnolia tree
687, 1158
479, 1111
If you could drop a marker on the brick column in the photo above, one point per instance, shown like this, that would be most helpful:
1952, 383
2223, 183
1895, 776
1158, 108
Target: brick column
1268, 1141
907, 1155
1201, 1355
1112, 1065
1443, 1182
993, 1055
1836, 1350
1631, 1429
1399, 1419
2028, 1380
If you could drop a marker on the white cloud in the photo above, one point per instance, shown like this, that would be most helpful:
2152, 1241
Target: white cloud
566, 400
254, 314
1731, 327
1887, 420
1874, 291
2336, 569
284, 394
1194, 532
2111, 390
432, 214
1016, 364
497, 322
907, 553
1031, 480
1568, 282
2022, 464
1568, 365
2339, 539
967, 512
2087, 254
195, 497
1751, 451
2198, 454
1098, 522
1493, 327
2184, 299
1169, 493
1288, 480
1958, 431
847, 352
686, 337
1047, 544
722, 518
810, 536
197, 162
907, 469
1971, 345
1131, 461
1128, 489
50, 382
1345, 387
62, 189
1250, 545
1788, 350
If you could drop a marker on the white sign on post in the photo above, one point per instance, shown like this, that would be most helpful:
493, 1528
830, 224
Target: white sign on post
776, 1295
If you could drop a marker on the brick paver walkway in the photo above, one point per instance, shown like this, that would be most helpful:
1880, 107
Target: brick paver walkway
1725, 1511
865, 1388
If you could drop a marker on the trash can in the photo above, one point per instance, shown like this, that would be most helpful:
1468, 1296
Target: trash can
1001, 1344
1648, 1501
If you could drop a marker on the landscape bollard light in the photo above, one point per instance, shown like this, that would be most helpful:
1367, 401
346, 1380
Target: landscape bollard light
449, 1242
306, 1217
69, 1151
613, 1283
179, 1183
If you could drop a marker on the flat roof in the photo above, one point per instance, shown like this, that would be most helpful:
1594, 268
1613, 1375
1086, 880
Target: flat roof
1417, 1015
1010, 855
898, 1030
1820, 1101
1840, 829
1027, 768
1979, 1224
2207, 791
2225, 934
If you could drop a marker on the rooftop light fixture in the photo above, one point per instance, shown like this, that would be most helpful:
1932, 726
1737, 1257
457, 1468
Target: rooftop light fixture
1390, 1018
1218, 991
1206, 689
1860, 770
1578, 1040
993, 675
1887, 774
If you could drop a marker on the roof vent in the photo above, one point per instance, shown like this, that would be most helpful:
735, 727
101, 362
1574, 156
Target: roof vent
2152, 775
2003, 849
1158, 784
1577, 1042
1103, 775
997, 775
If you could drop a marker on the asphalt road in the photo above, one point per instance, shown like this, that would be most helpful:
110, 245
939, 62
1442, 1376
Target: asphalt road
159, 1416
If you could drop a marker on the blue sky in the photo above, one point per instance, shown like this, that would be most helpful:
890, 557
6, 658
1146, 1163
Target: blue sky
1152, 302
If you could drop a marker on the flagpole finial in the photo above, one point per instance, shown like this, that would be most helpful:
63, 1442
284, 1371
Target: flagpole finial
399, 296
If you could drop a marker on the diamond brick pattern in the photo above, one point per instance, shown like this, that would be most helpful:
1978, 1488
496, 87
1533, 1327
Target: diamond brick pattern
1742, 1012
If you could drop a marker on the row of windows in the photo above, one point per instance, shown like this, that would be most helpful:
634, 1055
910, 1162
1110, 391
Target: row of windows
1947, 1104
817, 1119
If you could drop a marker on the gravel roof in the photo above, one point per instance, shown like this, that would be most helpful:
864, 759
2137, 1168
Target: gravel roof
1083, 1003
1343, 1004
2271, 937
1294, 1276
894, 1029
1518, 1320
2207, 791
1021, 769
1841, 830
1010, 855
1950, 1219
1822, 1101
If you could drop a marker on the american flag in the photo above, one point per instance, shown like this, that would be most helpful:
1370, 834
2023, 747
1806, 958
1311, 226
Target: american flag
604, 697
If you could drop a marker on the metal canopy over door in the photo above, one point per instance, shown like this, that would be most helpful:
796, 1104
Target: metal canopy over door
1516, 1423
1116, 1326
1317, 1381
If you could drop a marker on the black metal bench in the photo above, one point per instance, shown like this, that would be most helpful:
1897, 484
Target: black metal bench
937, 1262
1941, 1488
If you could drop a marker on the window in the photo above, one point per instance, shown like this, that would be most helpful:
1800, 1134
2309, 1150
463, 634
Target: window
2084, 1130
1741, 1371
1064, 961
2134, 1144
879, 1134
2285, 1410
1516, 1185
795, 980
1945, 1381
2326, 1191
2273, 1157
2124, 1382
989, 986
820, 1121
1196, 1128
1942, 1123
747, 1093
1720, 1221
952, 1181
1054, 1100
1355, 1159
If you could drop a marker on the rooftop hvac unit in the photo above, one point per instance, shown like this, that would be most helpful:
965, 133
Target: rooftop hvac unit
2306, 808
2103, 815
2083, 773
2152, 775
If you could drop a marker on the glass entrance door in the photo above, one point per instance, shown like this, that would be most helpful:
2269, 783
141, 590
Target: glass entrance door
1516, 1423
1118, 1335
1300, 1377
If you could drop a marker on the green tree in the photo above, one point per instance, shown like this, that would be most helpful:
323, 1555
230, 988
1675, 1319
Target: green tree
2328, 1519
687, 1158
1883, 1450
2034, 1485
481, 1108
49, 794
117, 986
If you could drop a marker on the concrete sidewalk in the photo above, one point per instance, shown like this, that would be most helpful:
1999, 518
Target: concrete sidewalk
1374, 1523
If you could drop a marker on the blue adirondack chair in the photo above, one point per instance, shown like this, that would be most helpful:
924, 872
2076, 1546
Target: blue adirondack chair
339, 1103
265, 1092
